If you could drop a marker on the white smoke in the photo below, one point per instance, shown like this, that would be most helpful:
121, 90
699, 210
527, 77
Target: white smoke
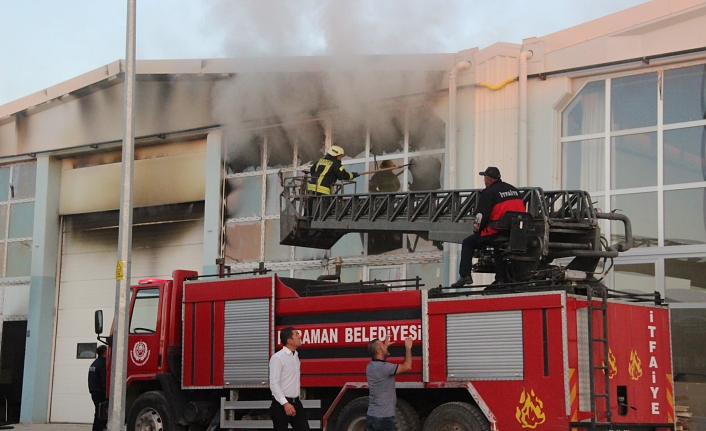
347, 33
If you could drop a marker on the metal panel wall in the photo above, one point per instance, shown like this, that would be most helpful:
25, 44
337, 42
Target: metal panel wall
495, 120
485, 346
246, 343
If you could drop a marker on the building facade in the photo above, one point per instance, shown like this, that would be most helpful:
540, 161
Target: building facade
615, 106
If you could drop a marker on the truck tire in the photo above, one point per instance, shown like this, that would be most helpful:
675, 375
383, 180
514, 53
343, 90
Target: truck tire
406, 418
352, 417
456, 416
151, 411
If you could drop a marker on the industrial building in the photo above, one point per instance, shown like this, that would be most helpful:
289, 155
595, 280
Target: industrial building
614, 106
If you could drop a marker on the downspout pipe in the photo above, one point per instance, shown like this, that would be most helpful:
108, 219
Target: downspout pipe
463, 65
522, 145
452, 161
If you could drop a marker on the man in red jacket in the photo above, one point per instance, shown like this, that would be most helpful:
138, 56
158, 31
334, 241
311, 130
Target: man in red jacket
497, 198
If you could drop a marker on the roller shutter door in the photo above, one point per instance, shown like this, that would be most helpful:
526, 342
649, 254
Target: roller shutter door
164, 238
485, 346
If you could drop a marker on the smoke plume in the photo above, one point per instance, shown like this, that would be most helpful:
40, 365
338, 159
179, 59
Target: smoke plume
353, 39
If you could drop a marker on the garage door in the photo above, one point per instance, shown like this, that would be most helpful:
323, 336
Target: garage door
164, 238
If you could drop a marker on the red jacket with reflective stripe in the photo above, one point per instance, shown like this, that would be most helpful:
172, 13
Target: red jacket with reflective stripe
497, 199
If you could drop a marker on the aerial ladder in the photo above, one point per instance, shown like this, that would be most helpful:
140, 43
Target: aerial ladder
556, 224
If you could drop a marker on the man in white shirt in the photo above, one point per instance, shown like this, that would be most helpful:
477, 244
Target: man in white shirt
286, 406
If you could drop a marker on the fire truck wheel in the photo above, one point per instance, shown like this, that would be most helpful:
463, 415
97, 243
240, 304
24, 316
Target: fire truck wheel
151, 411
456, 417
406, 418
352, 417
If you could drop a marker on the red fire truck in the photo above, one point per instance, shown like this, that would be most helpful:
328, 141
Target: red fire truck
551, 351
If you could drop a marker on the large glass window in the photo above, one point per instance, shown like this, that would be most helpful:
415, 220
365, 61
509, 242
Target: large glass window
635, 277
259, 158
658, 179
684, 280
684, 217
582, 165
657, 171
684, 91
634, 101
685, 288
689, 350
641, 208
684, 155
17, 188
586, 113
633, 161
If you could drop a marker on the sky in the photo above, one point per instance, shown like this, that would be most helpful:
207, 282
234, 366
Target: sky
45, 42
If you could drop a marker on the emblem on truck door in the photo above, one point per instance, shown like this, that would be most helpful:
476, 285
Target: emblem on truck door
140, 353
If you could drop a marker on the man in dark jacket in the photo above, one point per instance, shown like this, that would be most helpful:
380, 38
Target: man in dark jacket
328, 170
497, 198
96, 386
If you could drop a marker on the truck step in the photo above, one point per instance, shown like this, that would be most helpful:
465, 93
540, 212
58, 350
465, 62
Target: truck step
259, 424
258, 405
263, 404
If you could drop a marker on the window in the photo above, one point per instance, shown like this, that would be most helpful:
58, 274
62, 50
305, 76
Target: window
656, 166
257, 160
635, 277
586, 113
17, 188
656, 175
144, 312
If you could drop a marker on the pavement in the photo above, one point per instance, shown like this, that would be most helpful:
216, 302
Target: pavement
47, 427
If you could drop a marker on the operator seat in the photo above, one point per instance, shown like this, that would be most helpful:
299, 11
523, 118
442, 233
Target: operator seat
512, 246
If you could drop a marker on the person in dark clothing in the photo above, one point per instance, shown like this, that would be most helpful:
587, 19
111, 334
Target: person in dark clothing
497, 198
328, 170
383, 182
96, 386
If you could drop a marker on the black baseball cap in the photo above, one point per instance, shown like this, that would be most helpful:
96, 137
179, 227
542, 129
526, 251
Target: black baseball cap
491, 172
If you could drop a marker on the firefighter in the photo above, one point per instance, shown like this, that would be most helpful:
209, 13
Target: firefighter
385, 181
381, 182
327, 170
286, 408
495, 200
96, 386
381, 383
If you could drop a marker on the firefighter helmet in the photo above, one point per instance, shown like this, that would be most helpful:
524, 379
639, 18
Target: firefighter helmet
335, 151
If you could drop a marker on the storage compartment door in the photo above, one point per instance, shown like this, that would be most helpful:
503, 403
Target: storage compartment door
247, 343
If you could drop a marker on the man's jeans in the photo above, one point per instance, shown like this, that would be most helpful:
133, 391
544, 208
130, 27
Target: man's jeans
380, 424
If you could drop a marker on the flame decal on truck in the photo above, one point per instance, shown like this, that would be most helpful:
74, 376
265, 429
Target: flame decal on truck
530, 414
634, 369
613, 364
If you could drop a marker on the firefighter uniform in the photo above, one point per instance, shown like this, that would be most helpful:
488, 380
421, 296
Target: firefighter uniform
327, 171
495, 200
96, 386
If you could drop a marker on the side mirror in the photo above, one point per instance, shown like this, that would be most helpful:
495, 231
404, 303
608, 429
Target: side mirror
98, 322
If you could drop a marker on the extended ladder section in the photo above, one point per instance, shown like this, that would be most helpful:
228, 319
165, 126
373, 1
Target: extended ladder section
598, 342
563, 223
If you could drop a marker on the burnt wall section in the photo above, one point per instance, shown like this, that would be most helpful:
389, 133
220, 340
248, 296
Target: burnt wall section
163, 104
